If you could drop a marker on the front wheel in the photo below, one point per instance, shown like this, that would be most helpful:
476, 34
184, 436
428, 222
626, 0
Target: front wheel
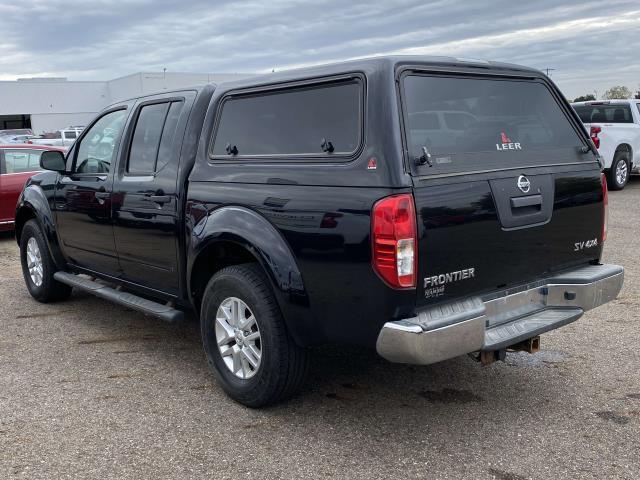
618, 175
246, 340
38, 266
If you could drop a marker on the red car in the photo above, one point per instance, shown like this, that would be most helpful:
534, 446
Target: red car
18, 163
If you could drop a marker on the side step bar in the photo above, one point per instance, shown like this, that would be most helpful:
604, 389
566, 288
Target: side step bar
125, 299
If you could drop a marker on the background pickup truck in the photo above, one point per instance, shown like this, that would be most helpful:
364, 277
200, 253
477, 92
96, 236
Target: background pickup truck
614, 127
60, 138
426, 208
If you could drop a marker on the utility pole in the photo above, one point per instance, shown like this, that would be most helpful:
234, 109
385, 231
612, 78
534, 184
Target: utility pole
549, 70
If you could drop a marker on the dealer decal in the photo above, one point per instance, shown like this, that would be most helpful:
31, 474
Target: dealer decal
506, 143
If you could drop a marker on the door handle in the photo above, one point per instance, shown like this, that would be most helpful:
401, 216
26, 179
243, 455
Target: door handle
529, 201
102, 196
159, 199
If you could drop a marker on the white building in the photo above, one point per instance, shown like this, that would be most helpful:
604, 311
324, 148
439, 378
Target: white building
49, 104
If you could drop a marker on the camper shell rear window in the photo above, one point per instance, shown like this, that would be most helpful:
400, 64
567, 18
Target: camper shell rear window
467, 123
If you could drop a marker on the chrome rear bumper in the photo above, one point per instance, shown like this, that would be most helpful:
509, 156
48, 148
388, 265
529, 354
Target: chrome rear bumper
499, 319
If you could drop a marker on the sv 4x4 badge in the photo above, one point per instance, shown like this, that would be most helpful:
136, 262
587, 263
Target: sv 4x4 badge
584, 245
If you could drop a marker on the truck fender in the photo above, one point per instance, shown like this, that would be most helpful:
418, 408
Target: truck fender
256, 234
33, 203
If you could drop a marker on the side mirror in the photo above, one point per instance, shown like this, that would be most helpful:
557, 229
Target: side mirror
53, 160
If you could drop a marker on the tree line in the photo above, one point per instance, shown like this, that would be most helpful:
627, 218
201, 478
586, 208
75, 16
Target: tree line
617, 92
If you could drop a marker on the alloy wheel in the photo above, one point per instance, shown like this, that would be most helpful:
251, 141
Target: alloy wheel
34, 262
238, 338
621, 172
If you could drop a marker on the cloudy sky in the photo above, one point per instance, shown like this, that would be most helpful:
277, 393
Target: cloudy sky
591, 45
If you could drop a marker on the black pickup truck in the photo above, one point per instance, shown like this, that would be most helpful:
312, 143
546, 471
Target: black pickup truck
427, 207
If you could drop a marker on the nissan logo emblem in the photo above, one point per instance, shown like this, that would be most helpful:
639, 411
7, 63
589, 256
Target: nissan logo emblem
524, 184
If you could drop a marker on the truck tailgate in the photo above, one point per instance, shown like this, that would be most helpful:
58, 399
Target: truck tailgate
485, 235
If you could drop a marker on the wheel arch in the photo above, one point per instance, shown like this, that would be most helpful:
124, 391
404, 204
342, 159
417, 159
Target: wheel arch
33, 204
625, 147
233, 235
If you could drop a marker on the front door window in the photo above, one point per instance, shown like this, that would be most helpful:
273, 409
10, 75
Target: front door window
97, 148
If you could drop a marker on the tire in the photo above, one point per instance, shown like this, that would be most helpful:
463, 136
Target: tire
40, 282
282, 365
618, 174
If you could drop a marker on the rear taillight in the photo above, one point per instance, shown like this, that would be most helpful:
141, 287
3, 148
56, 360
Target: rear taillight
605, 208
595, 130
393, 232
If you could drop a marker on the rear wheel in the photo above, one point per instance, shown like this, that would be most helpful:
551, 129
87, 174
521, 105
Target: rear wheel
618, 174
38, 267
246, 340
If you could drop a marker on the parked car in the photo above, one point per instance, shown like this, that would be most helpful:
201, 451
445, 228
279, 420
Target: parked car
60, 138
614, 127
15, 138
17, 164
310, 207
15, 131
15, 135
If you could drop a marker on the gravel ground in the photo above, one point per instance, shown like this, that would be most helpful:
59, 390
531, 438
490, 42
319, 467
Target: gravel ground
92, 390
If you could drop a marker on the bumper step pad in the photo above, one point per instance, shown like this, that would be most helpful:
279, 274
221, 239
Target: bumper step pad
503, 336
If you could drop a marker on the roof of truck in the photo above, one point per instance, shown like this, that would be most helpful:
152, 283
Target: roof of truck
364, 64
372, 63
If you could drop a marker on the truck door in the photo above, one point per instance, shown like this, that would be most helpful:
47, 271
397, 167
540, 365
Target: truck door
83, 197
145, 206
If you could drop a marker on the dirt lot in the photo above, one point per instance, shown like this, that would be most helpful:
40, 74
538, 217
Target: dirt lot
92, 390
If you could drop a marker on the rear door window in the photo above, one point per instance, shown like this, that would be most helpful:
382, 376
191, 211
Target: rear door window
153, 137
319, 120
146, 138
488, 124
611, 113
